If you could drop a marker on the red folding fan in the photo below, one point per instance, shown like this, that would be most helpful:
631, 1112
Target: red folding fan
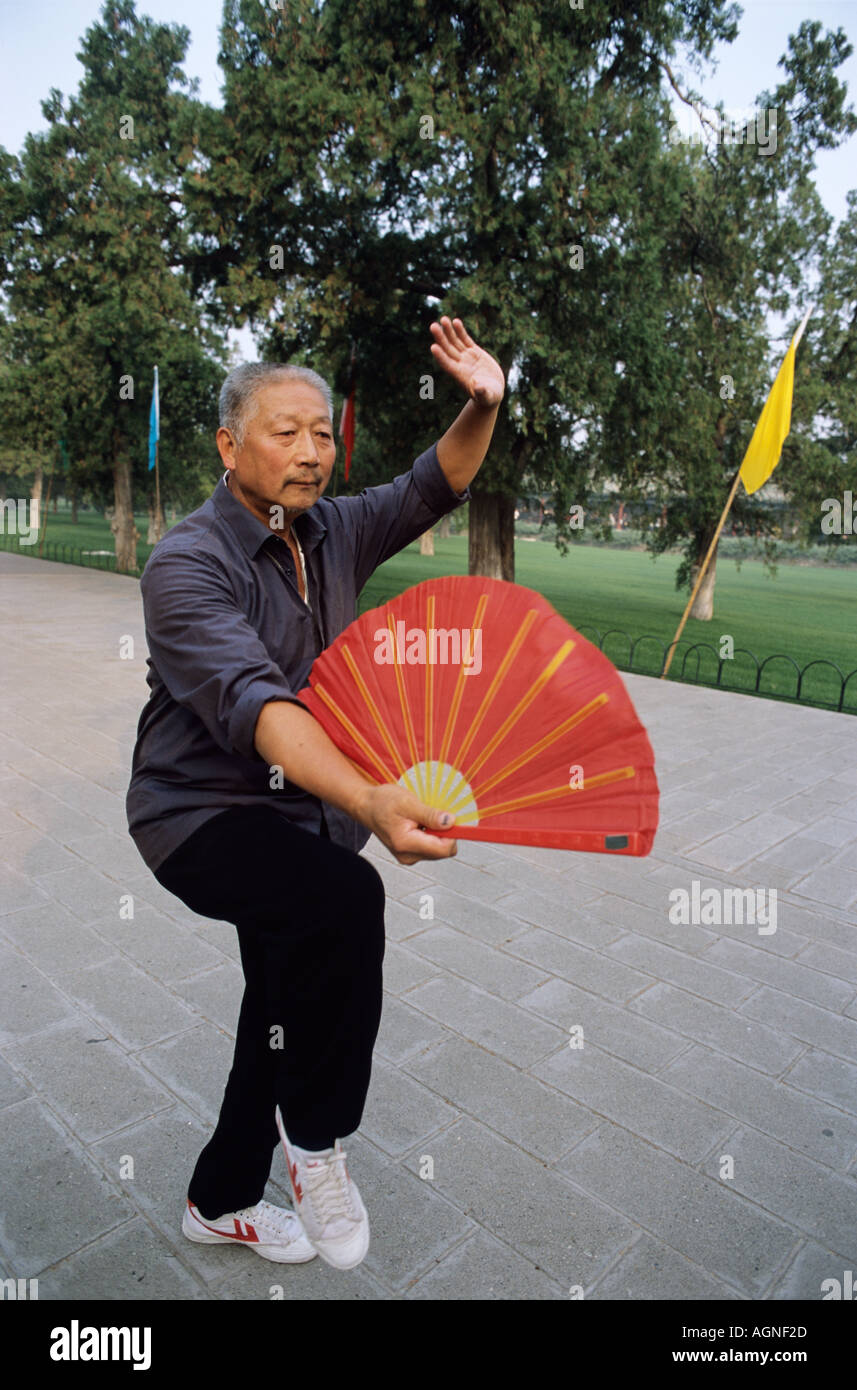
479, 697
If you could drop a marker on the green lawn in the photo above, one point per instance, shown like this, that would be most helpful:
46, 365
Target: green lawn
90, 533
808, 613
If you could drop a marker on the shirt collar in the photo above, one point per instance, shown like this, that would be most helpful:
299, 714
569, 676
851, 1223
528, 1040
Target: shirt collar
253, 533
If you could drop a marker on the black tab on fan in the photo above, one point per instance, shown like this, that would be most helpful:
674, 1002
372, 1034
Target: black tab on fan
615, 841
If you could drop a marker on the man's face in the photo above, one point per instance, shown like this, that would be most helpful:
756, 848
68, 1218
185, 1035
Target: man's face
288, 452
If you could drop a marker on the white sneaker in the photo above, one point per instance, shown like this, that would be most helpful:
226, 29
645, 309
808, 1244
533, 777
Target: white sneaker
330, 1208
272, 1232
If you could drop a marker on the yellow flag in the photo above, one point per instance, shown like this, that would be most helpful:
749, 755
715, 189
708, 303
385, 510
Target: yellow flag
774, 423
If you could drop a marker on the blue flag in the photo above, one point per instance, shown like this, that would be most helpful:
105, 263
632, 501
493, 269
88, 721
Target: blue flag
154, 422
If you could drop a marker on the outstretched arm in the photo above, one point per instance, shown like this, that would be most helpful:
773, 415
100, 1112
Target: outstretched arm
462, 449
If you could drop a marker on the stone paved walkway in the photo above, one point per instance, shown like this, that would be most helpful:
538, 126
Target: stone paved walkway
604, 1168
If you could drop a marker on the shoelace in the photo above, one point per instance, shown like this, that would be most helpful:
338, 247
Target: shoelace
326, 1183
277, 1220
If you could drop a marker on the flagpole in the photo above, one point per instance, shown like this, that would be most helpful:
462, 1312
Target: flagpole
704, 566
699, 578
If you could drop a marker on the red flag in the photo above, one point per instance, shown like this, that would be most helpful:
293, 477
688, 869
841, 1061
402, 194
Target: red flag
346, 423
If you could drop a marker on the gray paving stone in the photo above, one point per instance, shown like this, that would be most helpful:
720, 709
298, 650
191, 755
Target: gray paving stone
216, 995
41, 809
472, 882
612, 1089
698, 976
651, 1271
12, 1088
400, 880
785, 975
784, 942
567, 919
568, 1235
10, 822
593, 970
836, 886
38, 1157
808, 1023
222, 936
30, 851
400, 1112
727, 852
412, 1225
820, 956
54, 940
520, 877
654, 922
401, 922
146, 890
827, 1078
404, 1031
721, 1029
90, 895
510, 1101
807, 1275
829, 830
195, 1066
806, 1195
87, 1078
718, 1230
489, 968
811, 1126
102, 808
18, 892
314, 1281
131, 1262
28, 1002
161, 946
404, 968
132, 1007
495, 1024
482, 1268
609, 1027
110, 853
164, 1149
476, 918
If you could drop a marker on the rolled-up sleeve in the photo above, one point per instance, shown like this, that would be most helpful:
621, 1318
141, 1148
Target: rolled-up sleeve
209, 657
382, 520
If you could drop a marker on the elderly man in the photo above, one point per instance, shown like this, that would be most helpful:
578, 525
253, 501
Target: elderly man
242, 806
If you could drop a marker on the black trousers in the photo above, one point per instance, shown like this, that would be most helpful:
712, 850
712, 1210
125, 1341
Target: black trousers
310, 922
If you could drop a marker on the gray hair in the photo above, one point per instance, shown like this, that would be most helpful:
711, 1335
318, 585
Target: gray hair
238, 395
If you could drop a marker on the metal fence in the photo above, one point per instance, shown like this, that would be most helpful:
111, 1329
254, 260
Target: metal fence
837, 685
625, 659
66, 554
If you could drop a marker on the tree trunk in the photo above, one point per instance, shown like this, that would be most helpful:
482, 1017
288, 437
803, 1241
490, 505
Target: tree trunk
157, 525
427, 542
443, 528
36, 499
492, 535
125, 533
703, 604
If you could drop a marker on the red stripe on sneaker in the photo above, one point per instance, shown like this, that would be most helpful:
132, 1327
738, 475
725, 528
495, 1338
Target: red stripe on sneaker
293, 1173
249, 1234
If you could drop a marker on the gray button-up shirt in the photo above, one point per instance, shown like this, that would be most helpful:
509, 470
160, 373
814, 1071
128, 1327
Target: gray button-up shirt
228, 631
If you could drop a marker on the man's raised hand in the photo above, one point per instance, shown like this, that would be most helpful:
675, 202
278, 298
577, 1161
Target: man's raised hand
471, 366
